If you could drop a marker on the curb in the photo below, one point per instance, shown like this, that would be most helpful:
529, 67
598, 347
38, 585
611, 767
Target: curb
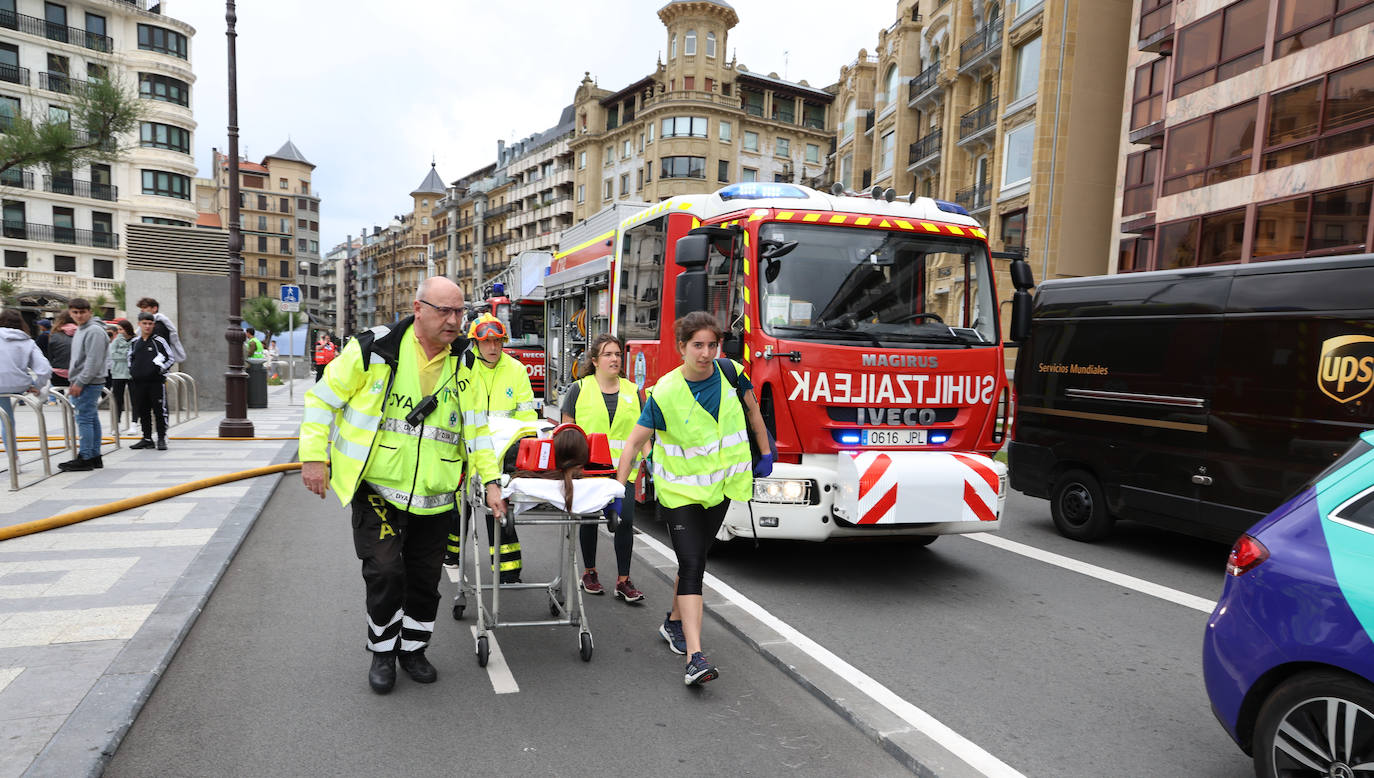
918, 752
89, 737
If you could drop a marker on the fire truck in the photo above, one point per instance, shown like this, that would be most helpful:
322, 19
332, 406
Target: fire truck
523, 314
869, 327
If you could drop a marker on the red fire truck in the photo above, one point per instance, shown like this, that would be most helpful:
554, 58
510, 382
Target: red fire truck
869, 329
523, 315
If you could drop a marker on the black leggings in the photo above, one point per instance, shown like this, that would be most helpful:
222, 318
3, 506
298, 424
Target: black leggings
624, 543
693, 529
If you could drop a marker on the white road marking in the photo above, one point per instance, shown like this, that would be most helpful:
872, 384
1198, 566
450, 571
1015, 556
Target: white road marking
1100, 573
919, 720
502, 681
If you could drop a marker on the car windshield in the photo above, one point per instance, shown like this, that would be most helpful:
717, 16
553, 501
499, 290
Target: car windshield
861, 285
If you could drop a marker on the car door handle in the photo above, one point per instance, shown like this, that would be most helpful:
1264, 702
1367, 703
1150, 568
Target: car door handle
1202, 480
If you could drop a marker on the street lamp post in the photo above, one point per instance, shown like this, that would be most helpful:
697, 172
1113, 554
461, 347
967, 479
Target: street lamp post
235, 423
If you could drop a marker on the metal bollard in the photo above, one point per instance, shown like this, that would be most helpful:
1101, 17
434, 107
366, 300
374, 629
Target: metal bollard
35, 404
176, 396
194, 389
107, 392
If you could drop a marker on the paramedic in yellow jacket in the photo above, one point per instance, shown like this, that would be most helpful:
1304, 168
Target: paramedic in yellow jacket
408, 416
506, 384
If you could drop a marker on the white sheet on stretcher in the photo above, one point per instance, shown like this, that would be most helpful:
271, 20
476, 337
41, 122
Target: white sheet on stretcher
590, 495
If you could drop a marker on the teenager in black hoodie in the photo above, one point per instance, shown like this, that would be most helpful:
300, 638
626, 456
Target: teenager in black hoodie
150, 357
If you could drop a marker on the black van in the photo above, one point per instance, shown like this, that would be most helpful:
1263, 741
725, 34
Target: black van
1197, 400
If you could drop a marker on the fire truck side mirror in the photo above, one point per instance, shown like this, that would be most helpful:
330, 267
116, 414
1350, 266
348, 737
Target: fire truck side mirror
1020, 316
692, 252
733, 347
690, 255
1021, 276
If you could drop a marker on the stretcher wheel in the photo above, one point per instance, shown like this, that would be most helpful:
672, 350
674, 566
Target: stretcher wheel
612, 521
482, 651
586, 646
458, 611
553, 608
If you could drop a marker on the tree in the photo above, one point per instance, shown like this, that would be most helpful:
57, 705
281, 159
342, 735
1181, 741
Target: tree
99, 303
9, 293
121, 296
263, 315
101, 112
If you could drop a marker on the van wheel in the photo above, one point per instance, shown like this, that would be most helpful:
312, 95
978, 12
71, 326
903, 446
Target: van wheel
1078, 507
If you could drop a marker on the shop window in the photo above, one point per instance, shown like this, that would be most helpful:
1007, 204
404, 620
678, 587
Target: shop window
1227, 43
1210, 150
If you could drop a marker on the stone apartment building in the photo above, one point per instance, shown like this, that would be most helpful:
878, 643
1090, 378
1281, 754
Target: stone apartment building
1247, 133
64, 230
975, 101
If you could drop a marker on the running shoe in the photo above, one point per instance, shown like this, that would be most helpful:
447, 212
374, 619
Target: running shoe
672, 632
625, 590
590, 584
699, 671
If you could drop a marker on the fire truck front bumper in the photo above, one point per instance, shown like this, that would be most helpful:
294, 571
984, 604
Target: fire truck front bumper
873, 494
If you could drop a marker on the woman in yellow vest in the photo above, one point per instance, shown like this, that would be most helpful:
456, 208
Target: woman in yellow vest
605, 402
701, 461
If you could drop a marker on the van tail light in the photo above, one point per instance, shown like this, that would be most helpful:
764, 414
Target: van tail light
1246, 555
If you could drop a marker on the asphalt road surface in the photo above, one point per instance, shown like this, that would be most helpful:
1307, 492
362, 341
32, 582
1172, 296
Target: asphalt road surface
1053, 670
271, 680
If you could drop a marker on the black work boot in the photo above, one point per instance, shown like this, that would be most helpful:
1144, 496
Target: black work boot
382, 676
417, 667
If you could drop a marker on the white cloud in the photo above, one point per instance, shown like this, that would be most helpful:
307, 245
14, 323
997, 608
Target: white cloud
369, 98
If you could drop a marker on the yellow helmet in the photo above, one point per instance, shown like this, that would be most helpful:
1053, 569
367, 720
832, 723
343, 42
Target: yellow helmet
487, 327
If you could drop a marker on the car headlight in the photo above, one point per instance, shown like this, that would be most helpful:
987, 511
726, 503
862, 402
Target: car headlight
783, 490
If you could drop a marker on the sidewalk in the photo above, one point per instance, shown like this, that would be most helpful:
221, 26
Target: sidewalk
90, 614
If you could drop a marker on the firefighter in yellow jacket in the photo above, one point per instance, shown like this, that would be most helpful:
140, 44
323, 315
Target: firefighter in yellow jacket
408, 415
506, 385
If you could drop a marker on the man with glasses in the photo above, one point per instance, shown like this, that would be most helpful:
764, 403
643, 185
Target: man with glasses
87, 375
409, 416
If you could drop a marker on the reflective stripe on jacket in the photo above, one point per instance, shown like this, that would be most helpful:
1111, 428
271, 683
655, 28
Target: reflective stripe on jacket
591, 415
697, 459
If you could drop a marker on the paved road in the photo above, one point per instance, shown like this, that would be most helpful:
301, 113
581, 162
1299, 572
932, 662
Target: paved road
271, 681
1055, 672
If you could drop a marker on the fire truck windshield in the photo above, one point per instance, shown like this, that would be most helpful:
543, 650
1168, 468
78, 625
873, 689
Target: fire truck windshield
850, 284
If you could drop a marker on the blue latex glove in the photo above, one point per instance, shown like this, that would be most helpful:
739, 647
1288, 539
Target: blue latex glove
764, 467
614, 507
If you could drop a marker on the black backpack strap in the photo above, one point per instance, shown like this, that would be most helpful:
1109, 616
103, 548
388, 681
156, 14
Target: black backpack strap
365, 339
727, 367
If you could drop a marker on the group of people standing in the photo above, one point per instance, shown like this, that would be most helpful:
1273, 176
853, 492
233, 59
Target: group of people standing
411, 407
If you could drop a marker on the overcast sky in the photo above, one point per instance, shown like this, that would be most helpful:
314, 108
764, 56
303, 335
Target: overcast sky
371, 91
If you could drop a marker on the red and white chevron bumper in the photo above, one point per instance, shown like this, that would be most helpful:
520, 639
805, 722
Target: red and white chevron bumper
964, 492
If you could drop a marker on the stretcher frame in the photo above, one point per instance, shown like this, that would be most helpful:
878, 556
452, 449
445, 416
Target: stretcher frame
566, 609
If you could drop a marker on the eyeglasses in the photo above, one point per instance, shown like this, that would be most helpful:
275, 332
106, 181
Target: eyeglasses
443, 310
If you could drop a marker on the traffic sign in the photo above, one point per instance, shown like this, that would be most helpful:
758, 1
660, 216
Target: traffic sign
290, 298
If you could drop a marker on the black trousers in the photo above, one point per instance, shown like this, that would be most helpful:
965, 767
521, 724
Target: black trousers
117, 390
693, 529
402, 555
148, 399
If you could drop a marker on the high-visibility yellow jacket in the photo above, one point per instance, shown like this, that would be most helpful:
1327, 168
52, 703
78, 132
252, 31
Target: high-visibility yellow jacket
591, 415
508, 389
700, 459
416, 468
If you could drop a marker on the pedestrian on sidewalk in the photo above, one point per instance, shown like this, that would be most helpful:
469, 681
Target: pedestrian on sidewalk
60, 350
150, 357
163, 327
405, 402
699, 465
119, 372
23, 368
87, 377
325, 351
252, 347
606, 402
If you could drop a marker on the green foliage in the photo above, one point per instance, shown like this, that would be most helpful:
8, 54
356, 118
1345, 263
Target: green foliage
101, 112
121, 297
263, 315
100, 302
9, 293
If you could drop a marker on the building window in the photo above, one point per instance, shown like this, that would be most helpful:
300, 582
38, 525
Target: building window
284, 205
684, 126
165, 222
102, 268
748, 175
301, 204
164, 184
689, 83
315, 226
813, 153
672, 48
157, 39
607, 189
284, 268
285, 247
1138, 194
581, 193
850, 117
262, 289
1328, 115
1147, 100
751, 141
889, 95
710, 44
723, 170
169, 90
1305, 23
639, 179
682, 167
301, 244
59, 115
305, 187
1027, 69
1013, 230
1322, 223
166, 136
582, 160
885, 155
847, 171
262, 244
782, 147
627, 150
281, 183
1177, 244
16, 258
624, 184
9, 111
63, 264
689, 44
1016, 157
1222, 45
1210, 150
284, 225
1210, 240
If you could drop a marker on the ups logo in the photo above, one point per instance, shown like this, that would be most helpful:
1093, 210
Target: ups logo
1347, 367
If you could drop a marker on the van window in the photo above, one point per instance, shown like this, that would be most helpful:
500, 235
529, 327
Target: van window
1343, 289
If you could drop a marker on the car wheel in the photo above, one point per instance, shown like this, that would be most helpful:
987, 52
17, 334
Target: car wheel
1319, 724
1078, 507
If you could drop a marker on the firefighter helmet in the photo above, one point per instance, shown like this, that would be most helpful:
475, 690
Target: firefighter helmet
487, 327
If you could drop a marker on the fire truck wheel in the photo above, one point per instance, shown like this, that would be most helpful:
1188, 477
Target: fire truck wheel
1079, 508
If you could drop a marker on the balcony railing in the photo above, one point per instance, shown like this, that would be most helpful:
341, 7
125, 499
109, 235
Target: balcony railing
975, 197
987, 40
58, 82
924, 82
14, 74
869, 116
928, 146
978, 119
55, 32
17, 230
496, 240
500, 210
17, 178
70, 186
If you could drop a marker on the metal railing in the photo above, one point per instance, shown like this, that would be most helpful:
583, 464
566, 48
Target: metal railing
14, 74
78, 188
975, 197
18, 230
9, 430
55, 32
928, 146
978, 119
923, 82
17, 178
869, 117
987, 39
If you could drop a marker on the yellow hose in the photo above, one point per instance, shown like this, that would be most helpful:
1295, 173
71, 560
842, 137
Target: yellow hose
129, 503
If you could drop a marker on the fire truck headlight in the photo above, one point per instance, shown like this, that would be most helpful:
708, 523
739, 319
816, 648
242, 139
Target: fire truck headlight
787, 491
